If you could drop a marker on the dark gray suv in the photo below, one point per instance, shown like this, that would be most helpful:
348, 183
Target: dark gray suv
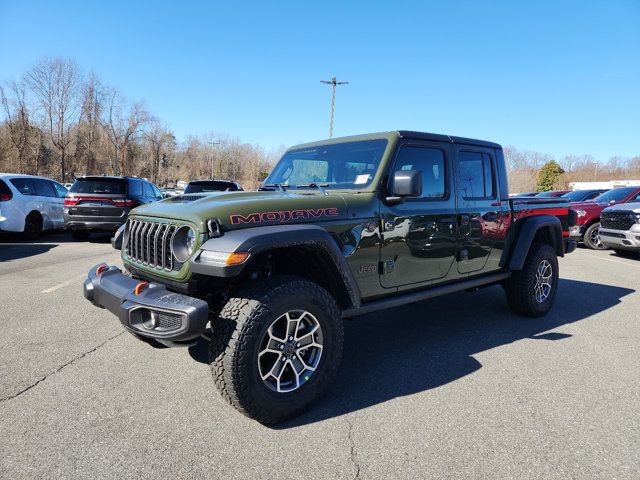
102, 204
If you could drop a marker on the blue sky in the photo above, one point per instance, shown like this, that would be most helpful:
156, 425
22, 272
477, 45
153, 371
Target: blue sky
562, 77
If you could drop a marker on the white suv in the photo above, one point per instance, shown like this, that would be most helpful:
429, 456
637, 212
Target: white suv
30, 204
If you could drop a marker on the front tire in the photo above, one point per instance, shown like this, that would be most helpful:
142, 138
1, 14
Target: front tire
591, 238
276, 347
32, 226
532, 290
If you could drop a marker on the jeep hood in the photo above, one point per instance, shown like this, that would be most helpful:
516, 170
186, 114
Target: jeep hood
251, 209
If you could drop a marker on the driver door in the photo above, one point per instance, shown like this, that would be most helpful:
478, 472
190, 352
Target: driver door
419, 235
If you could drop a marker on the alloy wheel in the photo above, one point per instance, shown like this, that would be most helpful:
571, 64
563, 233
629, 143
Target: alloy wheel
290, 351
544, 277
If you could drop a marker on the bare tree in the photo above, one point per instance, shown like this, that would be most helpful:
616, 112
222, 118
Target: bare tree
17, 114
124, 123
89, 127
55, 82
162, 143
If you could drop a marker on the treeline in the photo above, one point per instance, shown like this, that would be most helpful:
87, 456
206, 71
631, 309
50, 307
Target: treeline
60, 122
524, 168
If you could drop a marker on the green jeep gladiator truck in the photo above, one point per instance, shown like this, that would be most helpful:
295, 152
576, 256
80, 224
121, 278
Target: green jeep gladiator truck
339, 228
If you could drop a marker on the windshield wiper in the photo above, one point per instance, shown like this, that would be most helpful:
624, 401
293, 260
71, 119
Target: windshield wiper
280, 186
319, 186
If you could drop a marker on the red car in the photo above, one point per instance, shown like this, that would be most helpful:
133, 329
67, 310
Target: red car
588, 221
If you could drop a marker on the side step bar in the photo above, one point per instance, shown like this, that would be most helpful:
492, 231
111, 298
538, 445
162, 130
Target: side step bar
412, 297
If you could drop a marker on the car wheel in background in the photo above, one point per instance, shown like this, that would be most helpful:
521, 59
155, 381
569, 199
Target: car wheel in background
80, 236
33, 226
591, 238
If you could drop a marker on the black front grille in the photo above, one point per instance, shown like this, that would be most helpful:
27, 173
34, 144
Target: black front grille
617, 220
149, 243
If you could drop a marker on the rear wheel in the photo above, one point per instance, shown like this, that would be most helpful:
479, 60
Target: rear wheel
591, 238
80, 235
532, 290
276, 347
33, 226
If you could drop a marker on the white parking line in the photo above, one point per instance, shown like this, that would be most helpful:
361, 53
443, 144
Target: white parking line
63, 284
617, 261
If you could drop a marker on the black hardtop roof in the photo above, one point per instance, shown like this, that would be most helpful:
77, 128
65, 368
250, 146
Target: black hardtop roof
437, 137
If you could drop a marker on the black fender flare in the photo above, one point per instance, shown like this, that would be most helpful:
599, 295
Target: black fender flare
256, 240
521, 237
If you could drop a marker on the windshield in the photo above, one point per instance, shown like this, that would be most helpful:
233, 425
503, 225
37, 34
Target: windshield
615, 195
213, 186
350, 165
547, 194
115, 186
575, 195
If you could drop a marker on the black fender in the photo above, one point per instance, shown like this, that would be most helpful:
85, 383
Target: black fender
521, 237
256, 240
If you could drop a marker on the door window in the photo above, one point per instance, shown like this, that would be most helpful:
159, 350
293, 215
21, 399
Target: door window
24, 186
157, 192
61, 191
44, 188
431, 162
148, 191
476, 175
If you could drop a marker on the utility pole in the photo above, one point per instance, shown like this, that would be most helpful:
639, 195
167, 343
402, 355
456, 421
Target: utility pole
212, 144
333, 82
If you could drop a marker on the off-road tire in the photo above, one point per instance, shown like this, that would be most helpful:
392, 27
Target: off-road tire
32, 226
590, 241
80, 235
239, 329
520, 288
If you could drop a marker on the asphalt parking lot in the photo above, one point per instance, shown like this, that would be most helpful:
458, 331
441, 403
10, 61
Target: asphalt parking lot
455, 387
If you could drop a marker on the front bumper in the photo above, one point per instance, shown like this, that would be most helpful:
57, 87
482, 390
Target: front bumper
576, 231
156, 313
625, 240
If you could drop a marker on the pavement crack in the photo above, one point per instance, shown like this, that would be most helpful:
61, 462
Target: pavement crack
73, 360
353, 452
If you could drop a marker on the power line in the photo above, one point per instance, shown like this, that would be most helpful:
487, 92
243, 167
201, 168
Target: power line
333, 82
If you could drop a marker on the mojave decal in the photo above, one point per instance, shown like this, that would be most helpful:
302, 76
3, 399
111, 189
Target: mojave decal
284, 216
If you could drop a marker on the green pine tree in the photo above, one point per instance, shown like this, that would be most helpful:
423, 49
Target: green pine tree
549, 175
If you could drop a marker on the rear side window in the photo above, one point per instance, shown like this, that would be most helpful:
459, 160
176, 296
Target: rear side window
112, 186
135, 188
44, 188
431, 162
476, 175
24, 186
4, 188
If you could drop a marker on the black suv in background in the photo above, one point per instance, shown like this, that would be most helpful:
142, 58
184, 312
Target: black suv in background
101, 203
204, 186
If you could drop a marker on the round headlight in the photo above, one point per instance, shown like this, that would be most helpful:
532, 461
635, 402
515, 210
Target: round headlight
183, 243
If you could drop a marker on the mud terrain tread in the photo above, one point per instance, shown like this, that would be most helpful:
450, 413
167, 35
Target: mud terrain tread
239, 320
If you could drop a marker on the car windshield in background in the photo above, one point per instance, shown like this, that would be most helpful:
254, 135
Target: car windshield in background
350, 165
113, 186
615, 195
575, 195
213, 186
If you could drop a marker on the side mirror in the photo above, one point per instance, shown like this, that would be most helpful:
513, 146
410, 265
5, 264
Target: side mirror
405, 183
